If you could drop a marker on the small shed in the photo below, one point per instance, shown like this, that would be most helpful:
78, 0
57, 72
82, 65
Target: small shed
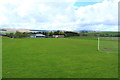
58, 36
32, 36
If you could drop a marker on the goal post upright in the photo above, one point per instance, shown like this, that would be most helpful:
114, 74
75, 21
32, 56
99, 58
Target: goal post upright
98, 43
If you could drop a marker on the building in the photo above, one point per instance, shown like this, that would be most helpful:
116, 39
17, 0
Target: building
2, 34
37, 36
58, 36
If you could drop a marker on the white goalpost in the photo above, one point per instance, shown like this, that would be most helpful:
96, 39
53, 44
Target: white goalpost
108, 44
98, 44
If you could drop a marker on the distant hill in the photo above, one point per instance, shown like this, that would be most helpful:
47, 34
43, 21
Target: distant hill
40, 30
3, 30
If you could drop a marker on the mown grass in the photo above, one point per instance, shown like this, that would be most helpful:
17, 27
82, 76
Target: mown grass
56, 58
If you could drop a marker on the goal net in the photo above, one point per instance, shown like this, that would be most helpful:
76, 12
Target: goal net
108, 44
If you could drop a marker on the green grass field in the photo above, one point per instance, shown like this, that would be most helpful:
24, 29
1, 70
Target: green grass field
56, 58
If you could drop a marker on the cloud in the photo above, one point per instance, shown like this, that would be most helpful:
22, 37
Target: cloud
97, 27
100, 13
104, 13
61, 15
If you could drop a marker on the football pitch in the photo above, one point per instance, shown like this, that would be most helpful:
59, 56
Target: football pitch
56, 58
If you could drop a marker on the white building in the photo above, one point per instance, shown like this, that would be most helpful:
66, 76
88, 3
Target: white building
37, 36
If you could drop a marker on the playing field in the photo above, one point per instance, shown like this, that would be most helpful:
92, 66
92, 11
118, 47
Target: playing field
56, 58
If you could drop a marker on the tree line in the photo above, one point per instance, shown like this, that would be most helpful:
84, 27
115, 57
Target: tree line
18, 34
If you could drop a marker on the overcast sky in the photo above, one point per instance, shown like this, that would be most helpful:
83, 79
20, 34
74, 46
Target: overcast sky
99, 15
